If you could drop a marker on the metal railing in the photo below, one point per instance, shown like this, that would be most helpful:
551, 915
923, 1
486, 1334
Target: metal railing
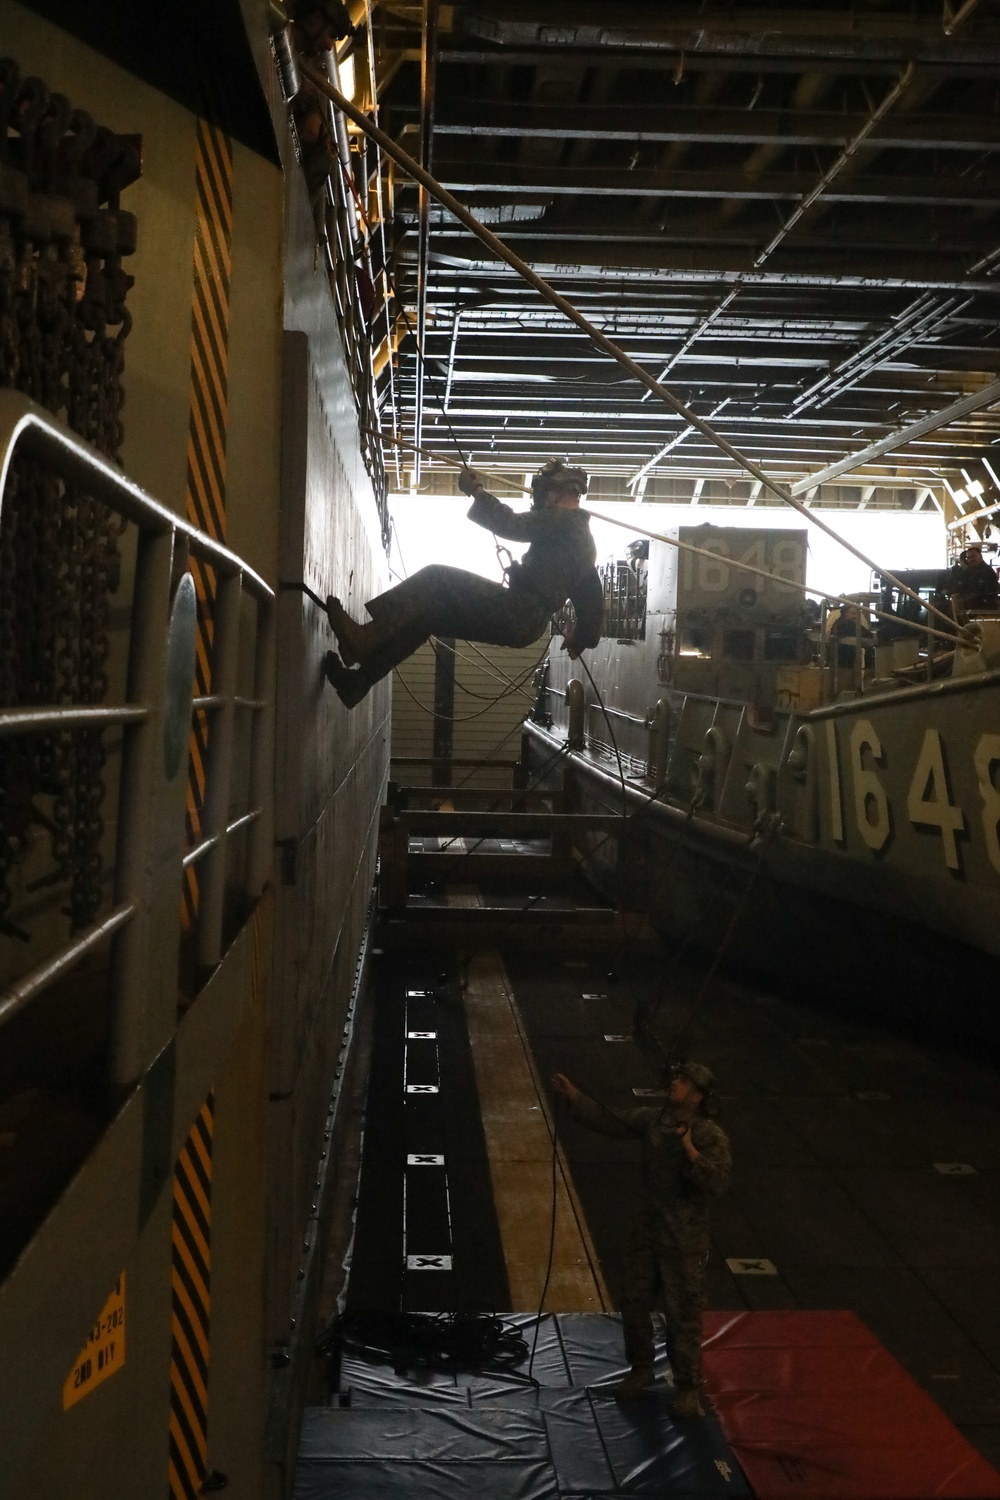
143, 924
624, 600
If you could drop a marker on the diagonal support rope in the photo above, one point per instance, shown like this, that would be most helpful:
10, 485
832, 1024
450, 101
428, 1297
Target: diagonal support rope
954, 636
555, 299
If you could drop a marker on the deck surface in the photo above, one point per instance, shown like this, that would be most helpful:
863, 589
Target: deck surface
866, 1182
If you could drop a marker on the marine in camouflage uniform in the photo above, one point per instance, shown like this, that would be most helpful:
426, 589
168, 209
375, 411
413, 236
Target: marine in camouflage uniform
686, 1160
442, 601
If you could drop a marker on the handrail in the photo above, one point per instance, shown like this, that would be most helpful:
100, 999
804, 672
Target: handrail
17, 995
940, 688
219, 700
200, 850
23, 423
150, 798
619, 713
67, 716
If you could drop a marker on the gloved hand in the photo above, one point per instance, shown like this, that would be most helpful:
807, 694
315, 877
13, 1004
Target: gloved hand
469, 481
572, 645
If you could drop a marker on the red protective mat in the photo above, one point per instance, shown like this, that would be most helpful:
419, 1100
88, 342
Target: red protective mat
813, 1406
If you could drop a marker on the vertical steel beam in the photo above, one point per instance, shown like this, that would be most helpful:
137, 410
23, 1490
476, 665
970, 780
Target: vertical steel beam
261, 837
133, 1039
428, 82
218, 769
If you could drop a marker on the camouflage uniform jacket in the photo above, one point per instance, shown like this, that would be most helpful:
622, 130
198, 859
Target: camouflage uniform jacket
676, 1190
559, 563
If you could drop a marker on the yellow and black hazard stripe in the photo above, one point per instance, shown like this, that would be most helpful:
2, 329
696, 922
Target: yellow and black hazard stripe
190, 1278
207, 428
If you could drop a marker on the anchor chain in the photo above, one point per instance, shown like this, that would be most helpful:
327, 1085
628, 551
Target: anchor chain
63, 328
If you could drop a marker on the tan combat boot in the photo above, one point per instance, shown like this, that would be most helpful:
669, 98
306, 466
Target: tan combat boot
686, 1402
635, 1382
354, 640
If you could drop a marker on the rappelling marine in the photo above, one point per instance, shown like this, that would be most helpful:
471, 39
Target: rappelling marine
450, 602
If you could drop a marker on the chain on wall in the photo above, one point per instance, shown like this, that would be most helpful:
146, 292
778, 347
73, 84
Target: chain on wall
63, 326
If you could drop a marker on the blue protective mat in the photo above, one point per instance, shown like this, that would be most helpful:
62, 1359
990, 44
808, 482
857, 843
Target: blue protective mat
496, 1437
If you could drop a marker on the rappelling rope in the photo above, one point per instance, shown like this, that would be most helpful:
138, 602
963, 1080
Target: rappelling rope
493, 242
516, 686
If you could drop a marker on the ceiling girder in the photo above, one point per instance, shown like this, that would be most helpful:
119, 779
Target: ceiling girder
639, 160
500, 118
492, 179
808, 36
874, 262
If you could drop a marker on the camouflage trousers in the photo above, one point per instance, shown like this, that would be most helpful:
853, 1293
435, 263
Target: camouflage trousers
451, 602
656, 1266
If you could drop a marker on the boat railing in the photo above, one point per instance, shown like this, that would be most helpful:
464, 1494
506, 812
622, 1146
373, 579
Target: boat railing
228, 854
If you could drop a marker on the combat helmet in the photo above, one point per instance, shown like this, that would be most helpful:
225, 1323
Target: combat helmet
554, 474
702, 1078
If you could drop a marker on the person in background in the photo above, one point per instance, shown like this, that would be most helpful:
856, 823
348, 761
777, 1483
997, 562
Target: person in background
849, 629
558, 565
972, 584
686, 1160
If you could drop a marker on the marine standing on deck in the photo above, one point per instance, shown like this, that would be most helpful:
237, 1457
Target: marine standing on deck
686, 1160
558, 565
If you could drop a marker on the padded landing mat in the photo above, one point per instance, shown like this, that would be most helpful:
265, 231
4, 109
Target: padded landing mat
815, 1408
496, 1437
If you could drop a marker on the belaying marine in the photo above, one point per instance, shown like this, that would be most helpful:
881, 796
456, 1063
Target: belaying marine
686, 1160
443, 601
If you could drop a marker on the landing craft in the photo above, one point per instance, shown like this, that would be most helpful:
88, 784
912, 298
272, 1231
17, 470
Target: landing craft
832, 794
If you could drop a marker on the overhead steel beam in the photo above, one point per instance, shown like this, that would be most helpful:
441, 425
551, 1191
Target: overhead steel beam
920, 320
736, 63
974, 515
822, 187
988, 396
722, 126
808, 36
809, 198
601, 264
841, 260
675, 442
491, 178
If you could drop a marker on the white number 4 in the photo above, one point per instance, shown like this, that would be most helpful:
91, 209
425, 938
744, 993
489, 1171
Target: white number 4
929, 799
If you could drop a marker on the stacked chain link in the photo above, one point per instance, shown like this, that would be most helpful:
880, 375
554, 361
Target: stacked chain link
63, 326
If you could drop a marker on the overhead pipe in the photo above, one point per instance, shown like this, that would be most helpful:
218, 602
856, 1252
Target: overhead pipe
988, 396
428, 86
902, 83
952, 20
595, 334
676, 41
921, 318
804, 204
